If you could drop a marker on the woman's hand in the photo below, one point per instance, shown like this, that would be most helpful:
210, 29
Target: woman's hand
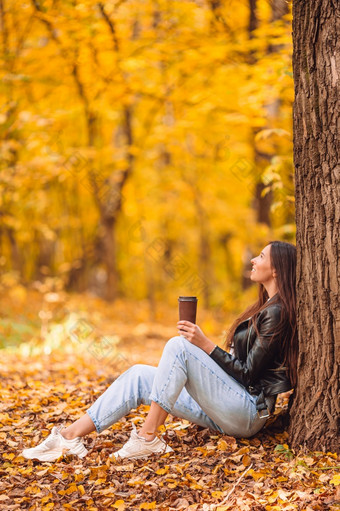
194, 334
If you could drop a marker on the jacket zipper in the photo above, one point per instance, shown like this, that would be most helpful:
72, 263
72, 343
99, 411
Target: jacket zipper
248, 338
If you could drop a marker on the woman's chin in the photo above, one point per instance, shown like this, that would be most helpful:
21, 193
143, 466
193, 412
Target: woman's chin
254, 279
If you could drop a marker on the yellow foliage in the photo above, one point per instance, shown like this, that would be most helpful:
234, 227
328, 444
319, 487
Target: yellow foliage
148, 505
335, 480
198, 94
119, 504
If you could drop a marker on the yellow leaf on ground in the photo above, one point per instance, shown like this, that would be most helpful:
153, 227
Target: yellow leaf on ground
332, 455
8, 456
335, 480
72, 488
148, 505
222, 445
47, 498
100, 481
217, 494
162, 471
272, 498
257, 475
119, 504
216, 469
243, 450
246, 460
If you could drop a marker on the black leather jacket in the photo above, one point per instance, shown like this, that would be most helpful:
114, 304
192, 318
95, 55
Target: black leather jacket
256, 362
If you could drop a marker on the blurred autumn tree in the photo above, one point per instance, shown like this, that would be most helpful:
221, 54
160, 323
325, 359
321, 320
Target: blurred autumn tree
140, 138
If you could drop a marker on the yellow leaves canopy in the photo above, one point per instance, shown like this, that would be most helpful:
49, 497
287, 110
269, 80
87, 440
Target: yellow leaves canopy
198, 92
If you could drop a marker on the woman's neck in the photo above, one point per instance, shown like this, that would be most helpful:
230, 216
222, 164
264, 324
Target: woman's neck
271, 289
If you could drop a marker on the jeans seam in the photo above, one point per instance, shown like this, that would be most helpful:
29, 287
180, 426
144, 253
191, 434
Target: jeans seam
242, 396
161, 392
218, 377
206, 367
103, 419
94, 420
251, 416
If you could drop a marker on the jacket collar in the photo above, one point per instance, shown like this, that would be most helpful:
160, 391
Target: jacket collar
247, 319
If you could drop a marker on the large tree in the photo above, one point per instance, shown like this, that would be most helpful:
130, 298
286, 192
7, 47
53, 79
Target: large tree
316, 66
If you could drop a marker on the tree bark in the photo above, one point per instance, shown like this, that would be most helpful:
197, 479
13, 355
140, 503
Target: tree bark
109, 211
316, 66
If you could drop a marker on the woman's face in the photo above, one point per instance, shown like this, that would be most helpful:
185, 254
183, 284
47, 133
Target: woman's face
262, 271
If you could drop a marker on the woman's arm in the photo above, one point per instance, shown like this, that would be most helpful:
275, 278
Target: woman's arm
260, 356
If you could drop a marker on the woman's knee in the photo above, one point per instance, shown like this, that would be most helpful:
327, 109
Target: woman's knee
141, 369
176, 344
175, 341
141, 372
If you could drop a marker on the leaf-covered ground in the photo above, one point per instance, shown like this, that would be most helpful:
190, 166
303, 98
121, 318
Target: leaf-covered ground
44, 386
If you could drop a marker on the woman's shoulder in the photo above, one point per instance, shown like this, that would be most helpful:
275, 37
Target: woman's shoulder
273, 311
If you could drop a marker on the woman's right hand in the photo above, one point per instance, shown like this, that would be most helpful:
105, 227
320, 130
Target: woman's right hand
194, 334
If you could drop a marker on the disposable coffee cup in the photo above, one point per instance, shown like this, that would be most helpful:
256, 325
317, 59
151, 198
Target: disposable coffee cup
187, 308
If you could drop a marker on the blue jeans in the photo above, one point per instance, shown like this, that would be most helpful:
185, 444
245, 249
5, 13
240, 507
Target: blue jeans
188, 384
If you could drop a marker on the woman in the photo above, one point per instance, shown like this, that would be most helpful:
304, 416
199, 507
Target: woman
198, 381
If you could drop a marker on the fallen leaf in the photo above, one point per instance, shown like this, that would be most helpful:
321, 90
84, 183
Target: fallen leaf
246, 461
335, 480
119, 504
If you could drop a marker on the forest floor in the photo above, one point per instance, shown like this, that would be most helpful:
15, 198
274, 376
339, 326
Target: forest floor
70, 351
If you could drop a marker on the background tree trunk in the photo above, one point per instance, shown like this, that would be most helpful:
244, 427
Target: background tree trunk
262, 158
316, 66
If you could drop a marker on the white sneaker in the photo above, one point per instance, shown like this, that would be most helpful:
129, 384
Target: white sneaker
54, 446
137, 447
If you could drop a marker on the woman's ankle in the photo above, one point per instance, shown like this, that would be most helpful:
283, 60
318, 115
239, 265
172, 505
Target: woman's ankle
147, 435
68, 435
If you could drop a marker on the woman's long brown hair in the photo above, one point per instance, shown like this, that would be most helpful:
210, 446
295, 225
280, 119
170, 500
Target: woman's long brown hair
283, 260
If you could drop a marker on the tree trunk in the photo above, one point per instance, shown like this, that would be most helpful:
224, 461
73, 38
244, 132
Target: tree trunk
316, 65
109, 257
17, 262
